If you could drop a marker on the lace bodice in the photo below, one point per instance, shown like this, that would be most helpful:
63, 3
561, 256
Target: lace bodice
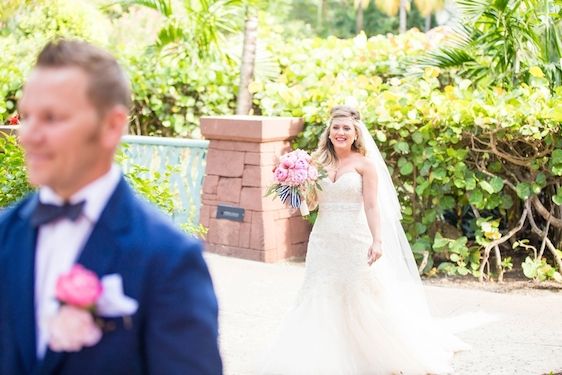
346, 189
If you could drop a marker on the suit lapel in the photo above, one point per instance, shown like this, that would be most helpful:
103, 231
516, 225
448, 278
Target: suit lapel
100, 249
21, 278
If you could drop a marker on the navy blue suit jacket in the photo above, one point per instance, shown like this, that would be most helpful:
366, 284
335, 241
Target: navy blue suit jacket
174, 330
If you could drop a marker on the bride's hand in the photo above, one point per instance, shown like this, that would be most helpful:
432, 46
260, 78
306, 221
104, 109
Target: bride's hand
374, 253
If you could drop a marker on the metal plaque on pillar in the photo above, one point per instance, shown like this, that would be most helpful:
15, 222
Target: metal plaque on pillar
230, 213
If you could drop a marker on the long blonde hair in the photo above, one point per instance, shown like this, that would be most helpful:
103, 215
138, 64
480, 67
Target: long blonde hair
325, 153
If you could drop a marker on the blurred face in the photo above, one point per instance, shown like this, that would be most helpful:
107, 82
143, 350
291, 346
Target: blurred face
342, 133
67, 144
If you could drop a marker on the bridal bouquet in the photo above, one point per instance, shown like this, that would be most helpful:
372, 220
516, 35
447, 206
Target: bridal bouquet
295, 174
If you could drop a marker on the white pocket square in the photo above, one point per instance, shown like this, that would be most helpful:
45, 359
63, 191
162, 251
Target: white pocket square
113, 302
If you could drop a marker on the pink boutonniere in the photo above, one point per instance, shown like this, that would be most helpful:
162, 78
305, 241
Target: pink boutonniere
74, 326
84, 300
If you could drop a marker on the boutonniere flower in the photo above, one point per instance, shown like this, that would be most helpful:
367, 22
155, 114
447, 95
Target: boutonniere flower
85, 299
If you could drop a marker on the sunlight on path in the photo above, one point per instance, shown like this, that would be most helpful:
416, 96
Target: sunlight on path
254, 298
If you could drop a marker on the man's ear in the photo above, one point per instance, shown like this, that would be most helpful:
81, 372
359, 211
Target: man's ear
116, 123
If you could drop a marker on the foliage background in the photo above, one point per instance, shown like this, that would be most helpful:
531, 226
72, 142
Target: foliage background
477, 160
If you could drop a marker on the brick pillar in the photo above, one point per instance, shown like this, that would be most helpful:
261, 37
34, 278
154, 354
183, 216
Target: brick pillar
242, 151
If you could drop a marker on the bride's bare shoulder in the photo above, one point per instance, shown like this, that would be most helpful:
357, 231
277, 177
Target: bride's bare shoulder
365, 165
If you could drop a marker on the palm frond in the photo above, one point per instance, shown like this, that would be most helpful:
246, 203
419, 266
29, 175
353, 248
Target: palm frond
472, 9
170, 33
446, 58
162, 6
266, 66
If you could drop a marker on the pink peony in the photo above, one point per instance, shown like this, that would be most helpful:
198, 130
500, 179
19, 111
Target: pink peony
303, 155
301, 164
297, 176
79, 287
288, 160
281, 174
312, 172
72, 329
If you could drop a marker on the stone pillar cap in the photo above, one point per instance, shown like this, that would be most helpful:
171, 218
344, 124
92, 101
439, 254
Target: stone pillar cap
250, 128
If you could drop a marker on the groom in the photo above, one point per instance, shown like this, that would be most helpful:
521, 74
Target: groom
156, 312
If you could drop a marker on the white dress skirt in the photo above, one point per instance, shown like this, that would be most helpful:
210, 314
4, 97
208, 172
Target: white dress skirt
352, 319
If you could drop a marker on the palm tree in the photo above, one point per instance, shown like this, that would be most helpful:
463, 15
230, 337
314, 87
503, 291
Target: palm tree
247, 62
322, 13
403, 20
202, 27
360, 6
501, 40
206, 24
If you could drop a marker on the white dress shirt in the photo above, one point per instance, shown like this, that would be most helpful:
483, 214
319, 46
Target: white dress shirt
60, 242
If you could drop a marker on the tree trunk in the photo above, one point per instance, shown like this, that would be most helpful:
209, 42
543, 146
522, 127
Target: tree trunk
247, 63
427, 22
403, 4
321, 14
359, 19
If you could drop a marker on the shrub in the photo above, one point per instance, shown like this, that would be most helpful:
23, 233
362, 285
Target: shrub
468, 164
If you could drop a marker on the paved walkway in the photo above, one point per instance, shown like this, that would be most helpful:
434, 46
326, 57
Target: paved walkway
254, 297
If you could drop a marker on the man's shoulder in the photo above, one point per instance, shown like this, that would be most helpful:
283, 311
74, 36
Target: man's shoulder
11, 217
159, 231
10, 213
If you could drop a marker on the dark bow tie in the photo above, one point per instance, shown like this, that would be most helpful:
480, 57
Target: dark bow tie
45, 212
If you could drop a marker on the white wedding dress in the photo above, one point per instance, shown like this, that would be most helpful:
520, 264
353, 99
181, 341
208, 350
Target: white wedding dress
350, 318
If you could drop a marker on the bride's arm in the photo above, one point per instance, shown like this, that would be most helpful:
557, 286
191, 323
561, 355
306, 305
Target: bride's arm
370, 191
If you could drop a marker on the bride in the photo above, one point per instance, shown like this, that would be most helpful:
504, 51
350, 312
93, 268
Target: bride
361, 309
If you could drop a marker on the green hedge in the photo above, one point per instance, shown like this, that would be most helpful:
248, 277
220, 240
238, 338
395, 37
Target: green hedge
169, 94
469, 164
466, 162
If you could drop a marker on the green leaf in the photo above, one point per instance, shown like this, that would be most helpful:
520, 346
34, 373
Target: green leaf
406, 169
529, 268
493, 201
381, 136
459, 244
440, 242
556, 157
541, 179
419, 247
417, 137
558, 197
438, 173
447, 267
487, 187
402, 161
497, 184
470, 183
507, 202
402, 147
420, 189
447, 202
476, 197
523, 190
420, 228
475, 257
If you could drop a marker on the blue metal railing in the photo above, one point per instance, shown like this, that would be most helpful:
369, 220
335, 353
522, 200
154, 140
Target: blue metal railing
186, 156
